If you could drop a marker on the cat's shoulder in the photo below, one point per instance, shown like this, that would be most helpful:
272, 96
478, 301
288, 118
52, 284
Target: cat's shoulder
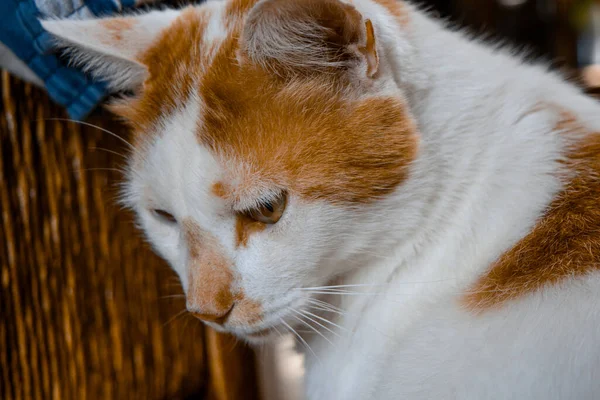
564, 243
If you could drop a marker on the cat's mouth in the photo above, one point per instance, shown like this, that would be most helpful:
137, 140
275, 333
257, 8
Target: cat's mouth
273, 329
254, 334
276, 322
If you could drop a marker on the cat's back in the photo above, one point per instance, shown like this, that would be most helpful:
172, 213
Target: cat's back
540, 346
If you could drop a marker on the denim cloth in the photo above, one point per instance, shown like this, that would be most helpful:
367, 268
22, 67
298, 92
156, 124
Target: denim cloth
27, 45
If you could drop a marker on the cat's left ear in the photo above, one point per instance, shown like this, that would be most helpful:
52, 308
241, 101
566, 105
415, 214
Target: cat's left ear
110, 48
308, 36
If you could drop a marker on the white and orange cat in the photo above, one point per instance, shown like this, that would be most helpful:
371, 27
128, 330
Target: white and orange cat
427, 207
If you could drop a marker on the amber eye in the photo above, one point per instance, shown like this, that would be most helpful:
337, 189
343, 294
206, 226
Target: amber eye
269, 212
165, 216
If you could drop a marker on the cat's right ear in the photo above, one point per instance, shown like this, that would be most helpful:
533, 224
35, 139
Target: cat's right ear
311, 36
110, 48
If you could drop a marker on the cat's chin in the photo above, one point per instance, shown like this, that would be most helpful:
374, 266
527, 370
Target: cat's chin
260, 337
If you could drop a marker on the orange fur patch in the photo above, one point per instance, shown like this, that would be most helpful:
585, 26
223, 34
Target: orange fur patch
210, 294
307, 136
238, 8
220, 190
565, 243
117, 27
313, 136
209, 274
244, 228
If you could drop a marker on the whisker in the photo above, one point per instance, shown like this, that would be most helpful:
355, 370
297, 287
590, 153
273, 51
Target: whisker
108, 151
92, 126
173, 296
314, 329
341, 286
349, 293
185, 324
316, 322
300, 338
173, 318
321, 308
325, 304
278, 331
371, 284
233, 344
326, 320
342, 312
103, 169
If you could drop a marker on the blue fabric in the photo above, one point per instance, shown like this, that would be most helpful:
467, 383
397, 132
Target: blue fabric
101, 7
21, 31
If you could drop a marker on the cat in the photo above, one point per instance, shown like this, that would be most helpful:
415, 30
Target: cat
423, 208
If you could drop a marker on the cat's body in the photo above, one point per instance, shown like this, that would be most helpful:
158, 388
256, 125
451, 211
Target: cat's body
464, 263
495, 121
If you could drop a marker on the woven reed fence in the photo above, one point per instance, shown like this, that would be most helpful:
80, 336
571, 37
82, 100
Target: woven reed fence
85, 311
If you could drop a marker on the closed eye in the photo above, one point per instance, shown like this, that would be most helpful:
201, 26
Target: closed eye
164, 216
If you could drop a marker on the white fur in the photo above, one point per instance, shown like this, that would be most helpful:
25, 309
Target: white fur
485, 171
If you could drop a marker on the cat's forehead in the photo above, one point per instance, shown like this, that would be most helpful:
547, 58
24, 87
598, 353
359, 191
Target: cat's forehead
307, 136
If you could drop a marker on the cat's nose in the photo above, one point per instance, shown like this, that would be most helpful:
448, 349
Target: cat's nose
209, 294
216, 317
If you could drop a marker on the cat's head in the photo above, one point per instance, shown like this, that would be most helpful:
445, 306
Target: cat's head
268, 138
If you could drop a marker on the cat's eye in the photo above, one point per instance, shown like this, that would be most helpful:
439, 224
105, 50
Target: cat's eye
269, 212
164, 216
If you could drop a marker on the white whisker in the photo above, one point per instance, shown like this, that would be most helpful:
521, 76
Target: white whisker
342, 286
313, 328
326, 320
303, 313
300, 338
349, 293
173, 318
108, 151
321, 308
173, 296
326, 305
103, 169
370, 284
280, 335
92, 126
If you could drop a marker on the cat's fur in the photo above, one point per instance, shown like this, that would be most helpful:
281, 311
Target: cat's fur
455, 185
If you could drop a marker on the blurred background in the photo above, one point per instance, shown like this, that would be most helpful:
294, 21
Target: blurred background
87, 311
566, 33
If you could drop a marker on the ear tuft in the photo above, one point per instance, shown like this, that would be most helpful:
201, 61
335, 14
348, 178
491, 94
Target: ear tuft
109, 48
309, 36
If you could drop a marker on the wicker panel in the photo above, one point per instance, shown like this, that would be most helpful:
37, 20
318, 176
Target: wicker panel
82, 298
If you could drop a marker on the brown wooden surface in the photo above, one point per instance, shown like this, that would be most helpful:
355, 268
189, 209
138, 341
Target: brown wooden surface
83, 312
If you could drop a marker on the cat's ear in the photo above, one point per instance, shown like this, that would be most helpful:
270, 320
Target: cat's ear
110, 48
311, 36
